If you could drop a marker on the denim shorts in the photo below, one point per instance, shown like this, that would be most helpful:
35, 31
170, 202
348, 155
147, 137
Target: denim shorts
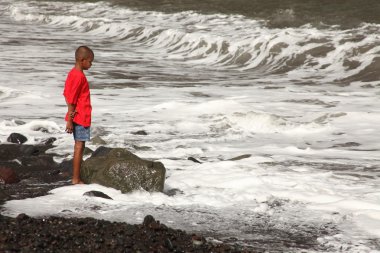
81, 133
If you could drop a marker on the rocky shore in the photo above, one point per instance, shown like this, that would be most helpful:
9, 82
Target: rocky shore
27, 171
54, 234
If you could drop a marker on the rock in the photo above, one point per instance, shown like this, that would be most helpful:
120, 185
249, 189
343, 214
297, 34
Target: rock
97, 140
122, 170
98, 194
11, 151
240, 157
140, 132
148, 220
49, 141
16, 138
141, 148
3, 196
22, 216
101, 151
8, 176
172, 192
87, 151
41, 162
193, 159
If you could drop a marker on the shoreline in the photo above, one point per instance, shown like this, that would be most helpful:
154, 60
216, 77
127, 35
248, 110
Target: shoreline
58, 234
26, 171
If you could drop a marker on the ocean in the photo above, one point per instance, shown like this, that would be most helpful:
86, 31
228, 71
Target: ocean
278, 100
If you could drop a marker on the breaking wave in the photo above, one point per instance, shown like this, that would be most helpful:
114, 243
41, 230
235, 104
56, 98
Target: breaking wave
223, 41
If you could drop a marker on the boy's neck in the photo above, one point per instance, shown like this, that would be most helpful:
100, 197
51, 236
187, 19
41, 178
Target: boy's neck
78, 67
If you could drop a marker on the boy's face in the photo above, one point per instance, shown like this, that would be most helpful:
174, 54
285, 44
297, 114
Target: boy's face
87, 62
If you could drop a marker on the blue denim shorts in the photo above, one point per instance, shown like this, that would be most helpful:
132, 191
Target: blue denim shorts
81, 133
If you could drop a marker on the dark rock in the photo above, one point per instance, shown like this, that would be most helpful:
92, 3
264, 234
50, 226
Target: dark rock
140, 132
168, 244
98, 194
41, 162
41, 129
142, 148
66, 166
22, 216
13, 151
193, 159
8, 176
240, 157
101, 151
122, 170
3, 196
20, 122
97, 140
62, 235
148, 220
17, 138
54, 172
87, 151
49, 141
172, 192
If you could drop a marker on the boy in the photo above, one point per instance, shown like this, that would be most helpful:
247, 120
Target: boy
78, 116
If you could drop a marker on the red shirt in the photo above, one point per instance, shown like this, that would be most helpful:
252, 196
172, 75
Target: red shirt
77, 92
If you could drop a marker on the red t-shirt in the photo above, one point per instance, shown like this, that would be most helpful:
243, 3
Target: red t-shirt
77, 92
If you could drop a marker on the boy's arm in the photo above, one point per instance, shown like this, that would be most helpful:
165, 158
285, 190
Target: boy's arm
71, 112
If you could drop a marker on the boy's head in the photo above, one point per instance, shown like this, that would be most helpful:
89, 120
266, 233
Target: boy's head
84, 57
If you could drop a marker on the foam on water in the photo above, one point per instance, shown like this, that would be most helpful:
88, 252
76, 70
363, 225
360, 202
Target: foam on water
214, 87
222, 40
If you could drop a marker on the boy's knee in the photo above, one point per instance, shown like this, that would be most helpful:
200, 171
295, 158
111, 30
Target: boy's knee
79, 144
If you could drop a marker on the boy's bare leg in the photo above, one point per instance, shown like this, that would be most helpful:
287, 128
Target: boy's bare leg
77, 161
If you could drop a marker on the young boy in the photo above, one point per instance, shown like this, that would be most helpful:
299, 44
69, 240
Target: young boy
78, 116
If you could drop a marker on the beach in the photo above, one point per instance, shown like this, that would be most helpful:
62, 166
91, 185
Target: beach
264, 115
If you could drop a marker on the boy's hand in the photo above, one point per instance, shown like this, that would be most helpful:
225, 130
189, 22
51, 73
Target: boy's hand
69, 127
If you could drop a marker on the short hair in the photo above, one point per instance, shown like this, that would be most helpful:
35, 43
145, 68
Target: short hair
83, 52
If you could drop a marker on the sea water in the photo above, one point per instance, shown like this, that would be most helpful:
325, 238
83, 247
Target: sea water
301, 102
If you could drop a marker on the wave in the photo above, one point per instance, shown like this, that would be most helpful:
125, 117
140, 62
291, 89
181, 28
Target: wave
226, 41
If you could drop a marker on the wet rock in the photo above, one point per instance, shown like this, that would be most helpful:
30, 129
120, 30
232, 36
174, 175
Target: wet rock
41, 162
97, 140
98, 194
120, 169
8, 176
141, 148
240, 157
49, 141
140, 132
3, 196
17, 138
12, 151
87, 151
148, 220
22, 216
101, 151
20, 122
172, 192
66, 166
193, 159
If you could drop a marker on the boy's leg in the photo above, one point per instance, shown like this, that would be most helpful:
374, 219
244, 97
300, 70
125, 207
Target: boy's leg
77, 161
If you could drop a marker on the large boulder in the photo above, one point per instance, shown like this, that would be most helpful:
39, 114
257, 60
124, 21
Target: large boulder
120, 169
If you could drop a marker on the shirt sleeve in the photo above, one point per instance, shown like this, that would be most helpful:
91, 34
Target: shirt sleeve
73, 87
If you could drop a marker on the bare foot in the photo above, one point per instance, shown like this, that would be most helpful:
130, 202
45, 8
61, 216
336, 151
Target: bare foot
77, 182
